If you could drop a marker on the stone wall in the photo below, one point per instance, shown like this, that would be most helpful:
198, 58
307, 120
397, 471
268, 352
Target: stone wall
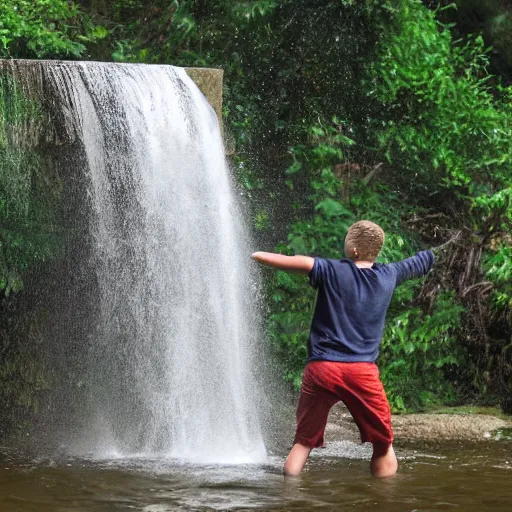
210, 82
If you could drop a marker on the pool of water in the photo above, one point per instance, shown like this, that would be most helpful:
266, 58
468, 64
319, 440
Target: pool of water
463, 477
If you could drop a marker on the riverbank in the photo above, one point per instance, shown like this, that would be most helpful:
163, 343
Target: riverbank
457, 424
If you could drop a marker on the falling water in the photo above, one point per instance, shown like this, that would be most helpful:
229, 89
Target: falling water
169, 368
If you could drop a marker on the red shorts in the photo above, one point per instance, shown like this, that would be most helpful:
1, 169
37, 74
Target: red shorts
358, 386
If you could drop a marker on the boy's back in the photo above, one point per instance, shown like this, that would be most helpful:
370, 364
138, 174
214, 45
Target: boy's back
351, 305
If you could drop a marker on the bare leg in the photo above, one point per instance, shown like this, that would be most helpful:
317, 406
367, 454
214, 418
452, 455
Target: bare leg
296, 459
383, 462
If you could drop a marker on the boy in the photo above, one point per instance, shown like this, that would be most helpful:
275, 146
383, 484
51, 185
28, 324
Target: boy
353, 296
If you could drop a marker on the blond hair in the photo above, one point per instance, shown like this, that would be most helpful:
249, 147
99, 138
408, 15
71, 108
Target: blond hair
364, 241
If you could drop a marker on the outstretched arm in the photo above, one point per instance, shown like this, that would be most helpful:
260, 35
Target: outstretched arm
297, 264
416, 266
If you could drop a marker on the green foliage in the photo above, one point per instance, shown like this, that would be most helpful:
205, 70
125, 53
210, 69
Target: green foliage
444, 125
29, 191
450, 131
498, 265
292, 298
420, 349
157, 34
251, 10
492, 19
45, 28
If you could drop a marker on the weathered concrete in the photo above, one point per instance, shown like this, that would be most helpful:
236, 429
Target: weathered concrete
30, 78
209, 80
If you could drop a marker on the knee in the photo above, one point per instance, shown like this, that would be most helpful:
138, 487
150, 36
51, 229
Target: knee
290, 470
293, 466
296, 460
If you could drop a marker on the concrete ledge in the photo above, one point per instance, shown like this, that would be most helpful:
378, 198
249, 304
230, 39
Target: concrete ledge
209, 81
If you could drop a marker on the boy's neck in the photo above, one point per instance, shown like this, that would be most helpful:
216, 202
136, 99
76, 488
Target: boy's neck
363, 263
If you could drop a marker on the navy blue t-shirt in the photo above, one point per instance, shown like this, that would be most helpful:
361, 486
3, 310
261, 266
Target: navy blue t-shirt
351, 305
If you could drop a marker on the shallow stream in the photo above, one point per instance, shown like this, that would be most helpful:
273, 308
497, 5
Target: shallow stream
462, 477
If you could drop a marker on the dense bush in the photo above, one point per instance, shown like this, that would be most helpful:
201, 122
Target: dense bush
45, 29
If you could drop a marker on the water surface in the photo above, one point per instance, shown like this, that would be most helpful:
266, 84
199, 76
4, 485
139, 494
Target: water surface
464, 477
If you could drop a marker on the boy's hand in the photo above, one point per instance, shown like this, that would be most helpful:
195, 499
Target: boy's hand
440, 250
297, 264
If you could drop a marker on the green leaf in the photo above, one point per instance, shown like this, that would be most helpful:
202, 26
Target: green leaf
331, 208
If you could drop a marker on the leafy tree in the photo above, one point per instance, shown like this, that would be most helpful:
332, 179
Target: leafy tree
45, 29
490, 18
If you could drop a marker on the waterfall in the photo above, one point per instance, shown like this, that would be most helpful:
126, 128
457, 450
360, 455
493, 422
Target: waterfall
170, 363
